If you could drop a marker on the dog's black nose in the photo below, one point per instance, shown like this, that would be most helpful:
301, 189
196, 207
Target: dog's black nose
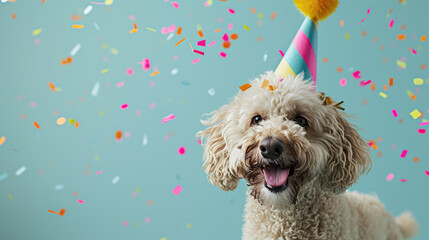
271, 148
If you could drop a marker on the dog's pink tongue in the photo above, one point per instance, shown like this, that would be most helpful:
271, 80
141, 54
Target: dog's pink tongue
276, 176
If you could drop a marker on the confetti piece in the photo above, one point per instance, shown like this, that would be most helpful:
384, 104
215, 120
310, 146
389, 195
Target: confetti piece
145, 64
174, 71
245, 87
2, 140
356, 75
200, 33
391, 82
252, 9
401, 37
180, 41
382, 94
246, 27
421, 131
177, 190
87, 10
413, 51
418, 81
427, 172
195, 60
231, 11
389, 177
395, 114
211, 92
363, 83
3, 176
98, 172
202, 43
67, 61
80, 201
124, 106
401, 64
61, 121
62, 212
423, 38
105, 70
421, 124
230, 26
265, 83
273, 15
343, 82
77, 26
403, 180
108, 2
222, 54
120, 84
282, 53
179, 31
36, 125
415, 114
20, 171
144, 143
95, 89
391, 23
181, 150
175, 5
404, 153
225, 37
75, 50
150, 29
212, 43
226, 45
115, 180
135, 29
271, 88
59, 187
96, 26
49, 210
118, 134
168, 118
234, 36
155, 73
362, 20
199, 52
37, 32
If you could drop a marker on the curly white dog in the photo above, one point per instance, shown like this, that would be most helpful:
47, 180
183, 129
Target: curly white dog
298, 155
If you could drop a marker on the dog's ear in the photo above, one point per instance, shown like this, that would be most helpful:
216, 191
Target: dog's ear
349, 155
218, 167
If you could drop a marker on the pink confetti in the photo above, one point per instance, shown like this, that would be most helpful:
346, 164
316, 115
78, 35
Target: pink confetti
421, 131
230, 26
202, 43
127, 134
138, 112
362, 20
147, 220
391, 23
369, 9
413, 51
98, 172
403, 180
225, 37
404, 153
343, 82
231, 11
363, 83
80, 201
177, 190
152, 83
199, 52
152, 105
125, 223
37, 41
222, 54
389, 177
145, 64
395, 114
212, 43
181, 150
423, 123
356, 75
175, 5
33, 104
282, 53
124, 106
195, 60
132, 18
199, 141
134, 194
130, 71
120, 84
166, 138
427, 172
168, 118
370, 144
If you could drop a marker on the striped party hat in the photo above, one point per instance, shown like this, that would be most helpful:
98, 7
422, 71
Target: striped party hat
301, 55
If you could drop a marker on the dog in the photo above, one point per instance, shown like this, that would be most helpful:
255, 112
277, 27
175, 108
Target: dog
298, 155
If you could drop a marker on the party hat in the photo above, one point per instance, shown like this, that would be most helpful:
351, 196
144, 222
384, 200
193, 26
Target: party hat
301, 55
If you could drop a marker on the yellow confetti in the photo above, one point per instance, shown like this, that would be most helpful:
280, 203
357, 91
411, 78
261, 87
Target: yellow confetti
163, 238
154, 73
150, 29
265, 83
271, 88
101, 113
37, 31
347, 36
77, 26
61, 121
401, 64
2, 139
418, 81
188, 225
114, 51
415, 114
260, 15
108, 2
10, 197
104, 45
105, 70
246, 27
383, 94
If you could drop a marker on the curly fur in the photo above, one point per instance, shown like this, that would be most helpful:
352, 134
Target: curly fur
327, 157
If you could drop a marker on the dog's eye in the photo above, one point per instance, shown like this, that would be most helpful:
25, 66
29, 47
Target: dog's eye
256, 120
301, 121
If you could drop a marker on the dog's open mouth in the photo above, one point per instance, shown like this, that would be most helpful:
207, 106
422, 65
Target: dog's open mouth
276, 179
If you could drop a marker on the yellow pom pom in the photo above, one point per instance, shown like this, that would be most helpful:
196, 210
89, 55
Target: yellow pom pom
316, 9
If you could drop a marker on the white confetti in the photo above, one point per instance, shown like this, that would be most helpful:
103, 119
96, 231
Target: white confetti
115, 180
87, 10
144, 140
21, 170
211, 91
174, 71
265, 57
170, 36
3, 176
75, 50
95, 89
59, 187
96, 26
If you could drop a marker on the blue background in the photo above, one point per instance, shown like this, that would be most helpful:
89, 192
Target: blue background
61, 161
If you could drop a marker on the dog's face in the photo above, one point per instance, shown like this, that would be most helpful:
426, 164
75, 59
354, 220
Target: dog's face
280, 140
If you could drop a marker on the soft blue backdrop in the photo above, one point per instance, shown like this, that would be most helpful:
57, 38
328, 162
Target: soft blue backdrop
62, 161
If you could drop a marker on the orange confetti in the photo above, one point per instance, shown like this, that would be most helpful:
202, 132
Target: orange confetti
423, 38
218, 30
252, 9
273, 15
260, 39
364, 33
390, 11
179, 30
265, 83
341, 23
76, 17
234, 36
118, 134
154, 73
385, 87
36, 125
423, 66
52, 86
372, 86
43, 1
13, 16
375, 39
180, 41
67, 61
403, 27
77, 26
401, 37
339, 69
49, 210
271, 88
245, 87
415, 159
200, 33
76, 124
2, 140
391, 82
412, 96
325, 60
226, 44
62, 211
135, 28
